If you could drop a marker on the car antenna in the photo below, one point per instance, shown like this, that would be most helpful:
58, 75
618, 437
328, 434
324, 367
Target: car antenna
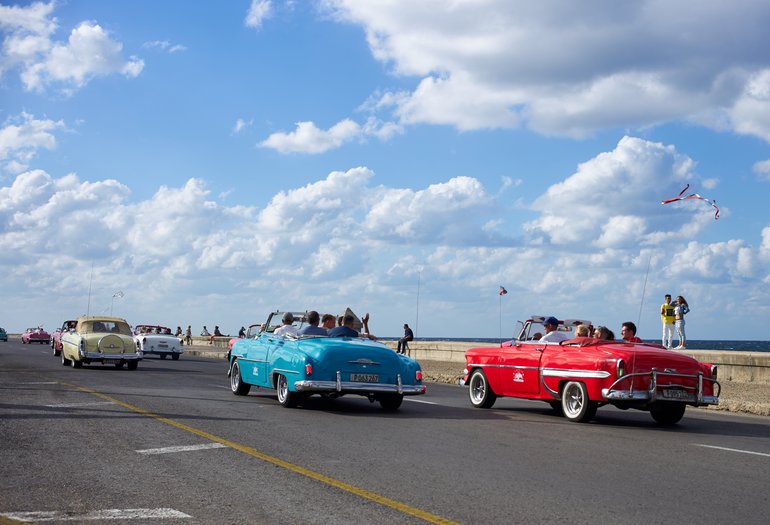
90, 281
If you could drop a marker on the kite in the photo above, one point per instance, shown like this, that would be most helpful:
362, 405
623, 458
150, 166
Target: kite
693, 196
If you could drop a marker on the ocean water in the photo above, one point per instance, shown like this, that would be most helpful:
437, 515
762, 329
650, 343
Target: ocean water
692, 344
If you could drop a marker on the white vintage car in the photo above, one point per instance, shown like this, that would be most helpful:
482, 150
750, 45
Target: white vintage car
155, 339
99, 339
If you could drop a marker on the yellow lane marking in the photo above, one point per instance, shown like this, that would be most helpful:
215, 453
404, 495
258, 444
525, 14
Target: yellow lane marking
8, 521
363, 493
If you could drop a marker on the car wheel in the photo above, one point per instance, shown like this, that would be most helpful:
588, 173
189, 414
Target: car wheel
64, 360
76, 364
480, 392
666, 413
175, 357
575, 402
55, 351
237, 385
391, 402
133, 365
286, 397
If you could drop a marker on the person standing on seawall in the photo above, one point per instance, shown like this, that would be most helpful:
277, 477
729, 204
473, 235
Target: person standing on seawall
188, 336
667, 318
680, 310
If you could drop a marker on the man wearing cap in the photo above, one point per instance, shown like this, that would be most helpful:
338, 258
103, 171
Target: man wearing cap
287, 328
552, 334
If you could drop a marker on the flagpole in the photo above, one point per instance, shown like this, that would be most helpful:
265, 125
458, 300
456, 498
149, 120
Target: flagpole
500, 308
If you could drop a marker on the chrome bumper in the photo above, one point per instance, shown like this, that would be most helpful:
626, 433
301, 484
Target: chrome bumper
309, 385
98, 356
686, 394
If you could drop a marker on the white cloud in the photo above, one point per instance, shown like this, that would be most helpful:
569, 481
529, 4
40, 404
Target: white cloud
762, 169
259, 11
240, 125
164, 45
89, 51
561, 69
308, 138
22, 136
614, 199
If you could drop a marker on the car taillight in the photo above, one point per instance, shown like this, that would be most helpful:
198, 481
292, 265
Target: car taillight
418, 375
308, 369
620, 368
713, 371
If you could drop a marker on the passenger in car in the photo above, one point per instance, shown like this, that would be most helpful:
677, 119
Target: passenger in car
628, 332
582, 330
552, 334
312, 328
287, 325
602, 332
327, 322
347, 329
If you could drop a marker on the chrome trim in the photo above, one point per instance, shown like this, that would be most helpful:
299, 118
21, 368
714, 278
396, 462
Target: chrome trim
651, 394
563, 372
364, 361
284, 371
249, 360
355, 387
400, 386
553, 393
97, 356
469, 365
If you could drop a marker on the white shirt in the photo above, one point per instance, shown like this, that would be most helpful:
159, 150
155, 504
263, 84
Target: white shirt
286, 329
555, 337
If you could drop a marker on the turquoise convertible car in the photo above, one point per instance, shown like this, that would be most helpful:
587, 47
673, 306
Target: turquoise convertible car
300, 366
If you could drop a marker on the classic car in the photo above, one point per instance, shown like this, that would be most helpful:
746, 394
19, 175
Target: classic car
100, 339
154, 339
3, 334
300, 366
35, 335
581, 374
56, 335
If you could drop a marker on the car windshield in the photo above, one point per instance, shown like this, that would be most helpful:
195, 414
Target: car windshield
105, 326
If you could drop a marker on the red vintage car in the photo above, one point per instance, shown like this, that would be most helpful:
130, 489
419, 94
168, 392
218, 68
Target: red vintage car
578, 375
35, 335
56, 336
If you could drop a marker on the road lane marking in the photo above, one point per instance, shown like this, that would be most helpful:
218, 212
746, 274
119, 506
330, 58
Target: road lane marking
187, 448
733, 450
76, 405
421, 401
34, 383
302, 471
106, 514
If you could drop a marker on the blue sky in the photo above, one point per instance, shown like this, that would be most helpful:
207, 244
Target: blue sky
217, 160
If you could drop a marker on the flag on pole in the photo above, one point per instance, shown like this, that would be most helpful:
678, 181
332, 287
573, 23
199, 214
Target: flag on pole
503, 291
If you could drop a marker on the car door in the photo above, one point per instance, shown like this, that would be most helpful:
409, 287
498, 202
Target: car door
519, 371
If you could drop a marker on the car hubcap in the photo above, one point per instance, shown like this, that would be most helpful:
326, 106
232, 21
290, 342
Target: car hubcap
478, 387
282, 388
235, 378
574, 400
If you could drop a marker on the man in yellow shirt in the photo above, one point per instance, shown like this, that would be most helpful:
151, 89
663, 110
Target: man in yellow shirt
667, 318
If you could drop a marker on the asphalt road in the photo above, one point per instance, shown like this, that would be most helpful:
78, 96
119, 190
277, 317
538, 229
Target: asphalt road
91, 445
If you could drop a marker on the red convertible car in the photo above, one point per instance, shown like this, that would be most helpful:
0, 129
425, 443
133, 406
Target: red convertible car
578, 375
35, 335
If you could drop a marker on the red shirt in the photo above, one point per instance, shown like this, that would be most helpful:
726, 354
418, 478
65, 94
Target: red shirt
633, 339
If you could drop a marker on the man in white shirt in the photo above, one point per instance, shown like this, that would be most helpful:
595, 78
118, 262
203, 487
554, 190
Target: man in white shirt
552, 334
287, 328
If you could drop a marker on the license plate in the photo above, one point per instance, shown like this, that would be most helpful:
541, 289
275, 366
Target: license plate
365, 378
676, 394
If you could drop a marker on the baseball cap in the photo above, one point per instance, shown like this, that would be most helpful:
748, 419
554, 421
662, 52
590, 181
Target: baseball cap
551, 320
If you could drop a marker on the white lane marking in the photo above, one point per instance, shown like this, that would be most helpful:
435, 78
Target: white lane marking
187, 448
220, 386
36, 383
75, 405
107, 514
734, 450
420, 401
